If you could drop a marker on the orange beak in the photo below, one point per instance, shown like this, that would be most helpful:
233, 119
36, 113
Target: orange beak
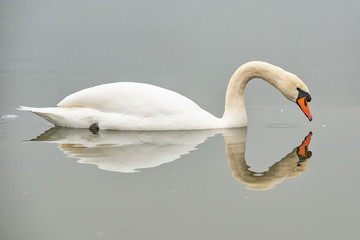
303, 104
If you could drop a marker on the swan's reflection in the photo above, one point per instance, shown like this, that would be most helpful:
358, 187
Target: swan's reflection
292, 165
124, 151
129, 151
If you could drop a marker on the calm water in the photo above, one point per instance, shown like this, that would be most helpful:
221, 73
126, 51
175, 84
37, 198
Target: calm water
282, 177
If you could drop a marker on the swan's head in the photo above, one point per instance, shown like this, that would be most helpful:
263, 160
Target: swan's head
296, 91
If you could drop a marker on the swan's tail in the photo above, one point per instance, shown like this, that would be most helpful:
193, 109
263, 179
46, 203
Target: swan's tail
74, 117
49, 113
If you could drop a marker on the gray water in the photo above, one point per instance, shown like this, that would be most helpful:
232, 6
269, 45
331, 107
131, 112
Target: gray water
248, 183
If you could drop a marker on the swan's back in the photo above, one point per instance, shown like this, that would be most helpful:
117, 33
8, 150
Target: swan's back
136, 99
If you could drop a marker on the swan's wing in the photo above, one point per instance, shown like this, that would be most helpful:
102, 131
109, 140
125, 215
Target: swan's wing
131, 99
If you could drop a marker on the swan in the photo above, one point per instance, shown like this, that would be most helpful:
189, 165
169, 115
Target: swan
140, 106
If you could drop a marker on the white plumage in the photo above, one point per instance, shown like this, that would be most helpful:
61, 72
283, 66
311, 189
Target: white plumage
127, 105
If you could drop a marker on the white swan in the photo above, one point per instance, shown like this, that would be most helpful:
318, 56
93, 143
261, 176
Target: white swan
139, 106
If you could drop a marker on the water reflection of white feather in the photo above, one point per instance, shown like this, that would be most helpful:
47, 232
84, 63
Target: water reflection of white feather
129, 151
125, 151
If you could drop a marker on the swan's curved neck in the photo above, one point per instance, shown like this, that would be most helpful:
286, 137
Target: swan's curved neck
235, 110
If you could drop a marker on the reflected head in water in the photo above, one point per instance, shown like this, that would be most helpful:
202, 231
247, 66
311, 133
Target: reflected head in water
129, 151
292, 165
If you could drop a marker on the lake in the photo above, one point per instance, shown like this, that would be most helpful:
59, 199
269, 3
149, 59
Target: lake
282, 177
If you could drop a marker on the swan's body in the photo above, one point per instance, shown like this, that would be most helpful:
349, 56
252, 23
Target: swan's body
128, 106
139, 106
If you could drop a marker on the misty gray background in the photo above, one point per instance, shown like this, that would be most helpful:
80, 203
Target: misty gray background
316, 40
49, 49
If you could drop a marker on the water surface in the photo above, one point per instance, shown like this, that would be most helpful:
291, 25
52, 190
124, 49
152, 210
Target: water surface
253, 183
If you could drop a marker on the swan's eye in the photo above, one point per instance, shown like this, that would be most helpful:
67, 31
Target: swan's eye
303, 94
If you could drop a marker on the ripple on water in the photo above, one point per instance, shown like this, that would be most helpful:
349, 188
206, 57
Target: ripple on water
281, 125
9, 116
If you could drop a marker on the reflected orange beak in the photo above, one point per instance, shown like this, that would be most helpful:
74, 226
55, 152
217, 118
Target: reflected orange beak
303, 104
303, 149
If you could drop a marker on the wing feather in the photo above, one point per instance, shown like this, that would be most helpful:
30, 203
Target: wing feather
138, 99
